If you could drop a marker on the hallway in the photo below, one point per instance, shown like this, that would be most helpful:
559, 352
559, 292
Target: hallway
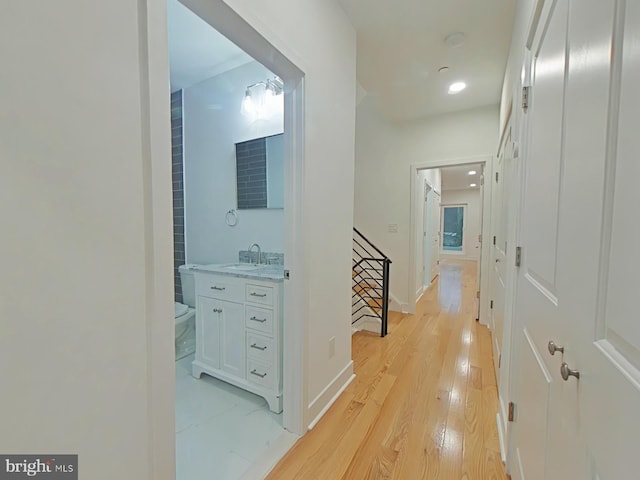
423, 404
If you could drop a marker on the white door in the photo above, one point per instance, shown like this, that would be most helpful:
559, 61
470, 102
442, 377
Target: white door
579, 232
505, 209
499, 234
435, 234
541, 432
427, 236
479, 271
608, 352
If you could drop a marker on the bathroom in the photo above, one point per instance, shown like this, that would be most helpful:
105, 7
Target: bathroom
226, 108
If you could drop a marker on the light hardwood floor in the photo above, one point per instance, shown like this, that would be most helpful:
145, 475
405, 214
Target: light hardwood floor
423, 404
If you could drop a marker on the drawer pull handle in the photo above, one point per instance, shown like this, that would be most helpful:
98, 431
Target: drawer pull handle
258, 347
256, 319
261, 295
217, 310
255, 372
218, 288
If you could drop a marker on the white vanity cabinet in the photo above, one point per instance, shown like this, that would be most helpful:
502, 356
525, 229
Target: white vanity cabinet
239, 333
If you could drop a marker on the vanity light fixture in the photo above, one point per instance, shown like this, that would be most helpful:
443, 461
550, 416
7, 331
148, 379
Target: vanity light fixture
248, 105
456, 87
263, 99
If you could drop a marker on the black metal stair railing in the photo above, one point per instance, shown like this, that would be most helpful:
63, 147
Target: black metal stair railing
370, 273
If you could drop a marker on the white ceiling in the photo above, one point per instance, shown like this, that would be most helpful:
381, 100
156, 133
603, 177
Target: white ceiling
401, 47
196, 50
458, 178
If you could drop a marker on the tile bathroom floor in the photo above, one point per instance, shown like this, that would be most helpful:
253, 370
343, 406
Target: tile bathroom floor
221, 430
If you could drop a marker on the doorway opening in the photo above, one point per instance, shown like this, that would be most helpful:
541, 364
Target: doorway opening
449, 219
237, 158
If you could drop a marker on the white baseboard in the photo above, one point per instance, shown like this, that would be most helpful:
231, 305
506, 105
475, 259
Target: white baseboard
396, 305
503, 453
330, 394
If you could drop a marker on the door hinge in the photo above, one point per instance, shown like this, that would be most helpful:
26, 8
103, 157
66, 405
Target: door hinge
499, 360
496, 177
518, 256
512, 411
526, 92
494, 239
478, 294
287, 275
491, 305
480, 238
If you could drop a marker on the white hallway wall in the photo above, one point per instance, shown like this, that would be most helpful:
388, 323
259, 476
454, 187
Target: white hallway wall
472, 225
213, 124
384, 154
75, 197
89, 346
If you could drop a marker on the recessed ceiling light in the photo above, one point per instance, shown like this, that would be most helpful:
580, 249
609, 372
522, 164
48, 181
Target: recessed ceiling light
454, 40
456, 87
472, 172
473, 185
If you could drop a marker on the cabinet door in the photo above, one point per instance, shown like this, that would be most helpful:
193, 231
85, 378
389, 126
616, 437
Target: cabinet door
233, 337
208, 331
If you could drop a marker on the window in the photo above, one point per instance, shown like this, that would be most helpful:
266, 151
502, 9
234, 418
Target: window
452, 228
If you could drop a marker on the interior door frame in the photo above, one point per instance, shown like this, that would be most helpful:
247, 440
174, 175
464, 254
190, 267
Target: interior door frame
415, 195
427, 215
155, 112
230, 24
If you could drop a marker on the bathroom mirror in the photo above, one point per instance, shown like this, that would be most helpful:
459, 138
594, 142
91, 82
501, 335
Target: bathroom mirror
260, 173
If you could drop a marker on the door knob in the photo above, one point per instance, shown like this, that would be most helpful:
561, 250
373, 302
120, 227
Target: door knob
566, 372
553, 348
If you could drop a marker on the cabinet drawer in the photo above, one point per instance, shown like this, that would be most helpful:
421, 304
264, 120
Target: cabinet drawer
261, 373
219, 286
261, 348
259, 294
259, 319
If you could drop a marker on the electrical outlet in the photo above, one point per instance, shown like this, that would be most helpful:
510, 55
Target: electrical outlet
332, 347
393, 228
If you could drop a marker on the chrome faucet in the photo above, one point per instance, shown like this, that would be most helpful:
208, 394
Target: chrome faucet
259, 259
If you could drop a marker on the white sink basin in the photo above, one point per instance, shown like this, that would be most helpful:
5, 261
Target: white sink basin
245, 267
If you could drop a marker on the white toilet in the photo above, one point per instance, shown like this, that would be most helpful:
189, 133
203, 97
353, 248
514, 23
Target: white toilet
186, 314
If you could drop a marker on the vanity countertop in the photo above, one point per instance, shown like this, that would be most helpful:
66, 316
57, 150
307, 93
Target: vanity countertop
243, 270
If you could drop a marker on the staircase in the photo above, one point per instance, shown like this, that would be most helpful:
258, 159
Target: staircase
370, 285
